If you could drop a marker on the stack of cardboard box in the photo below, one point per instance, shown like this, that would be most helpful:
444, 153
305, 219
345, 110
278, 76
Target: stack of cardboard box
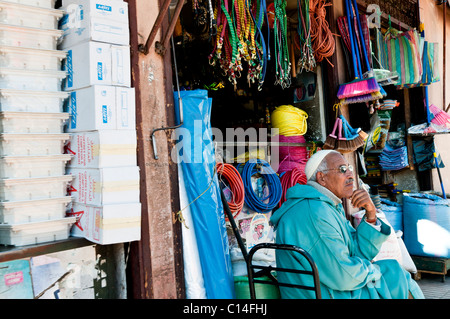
102, 127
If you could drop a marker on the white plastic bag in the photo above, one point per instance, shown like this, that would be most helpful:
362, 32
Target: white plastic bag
407, 263
390, 248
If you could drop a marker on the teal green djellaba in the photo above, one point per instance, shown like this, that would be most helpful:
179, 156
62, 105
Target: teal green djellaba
313, 221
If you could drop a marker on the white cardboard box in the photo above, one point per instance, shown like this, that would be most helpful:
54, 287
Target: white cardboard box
125, 108
100, 20
108, 224
101, 107
87, 63
92, 108
121, 65
109, 9
102, 186
97, 149
91, 63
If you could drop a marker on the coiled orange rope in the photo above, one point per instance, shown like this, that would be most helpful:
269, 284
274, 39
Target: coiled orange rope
323, 42
234, 180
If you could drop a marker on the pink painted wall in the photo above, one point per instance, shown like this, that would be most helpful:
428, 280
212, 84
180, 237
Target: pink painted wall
431, 15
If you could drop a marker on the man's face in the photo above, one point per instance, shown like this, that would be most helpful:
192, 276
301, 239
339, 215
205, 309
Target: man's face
339, 183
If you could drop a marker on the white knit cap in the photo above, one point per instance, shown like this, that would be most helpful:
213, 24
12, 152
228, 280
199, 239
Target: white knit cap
315, 160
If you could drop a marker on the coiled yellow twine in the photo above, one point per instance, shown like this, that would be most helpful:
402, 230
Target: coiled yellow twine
289, 120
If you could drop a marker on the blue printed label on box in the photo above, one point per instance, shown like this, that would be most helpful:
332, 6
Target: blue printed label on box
105, 113
99, 71
103, 7
69, 69
73, 110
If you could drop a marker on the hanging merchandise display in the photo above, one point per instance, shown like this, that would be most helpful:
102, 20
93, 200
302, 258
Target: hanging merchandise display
344, 138
424, 152
281, 51
256, 203
404, 56
289, 120
322, 39
439, 116
380, 122
239, 39
388, 104
289, 179
204, 194
430, 66
307, 60
232, 185
360, 89
383, 75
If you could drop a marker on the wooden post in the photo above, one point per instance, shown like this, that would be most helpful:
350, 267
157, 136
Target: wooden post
155, 266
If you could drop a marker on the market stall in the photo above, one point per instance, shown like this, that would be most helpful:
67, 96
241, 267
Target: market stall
271, 105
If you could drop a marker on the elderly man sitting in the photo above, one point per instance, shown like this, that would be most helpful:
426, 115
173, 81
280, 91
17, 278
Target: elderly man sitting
313, 218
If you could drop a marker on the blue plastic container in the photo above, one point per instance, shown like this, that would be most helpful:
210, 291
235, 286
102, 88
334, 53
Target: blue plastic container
426, 221
394, 213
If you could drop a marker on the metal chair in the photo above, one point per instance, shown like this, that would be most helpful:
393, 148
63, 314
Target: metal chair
267, 270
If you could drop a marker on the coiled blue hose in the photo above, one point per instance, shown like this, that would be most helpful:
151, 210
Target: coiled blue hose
252, 200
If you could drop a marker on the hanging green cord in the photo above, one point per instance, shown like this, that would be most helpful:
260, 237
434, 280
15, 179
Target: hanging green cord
306, 60
231, 31
283, 76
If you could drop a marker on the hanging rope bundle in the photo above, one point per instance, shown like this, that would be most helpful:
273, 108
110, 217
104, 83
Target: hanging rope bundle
323, 43
306, 60
252, 200
239, 39
289, 179
235, 184
282, 63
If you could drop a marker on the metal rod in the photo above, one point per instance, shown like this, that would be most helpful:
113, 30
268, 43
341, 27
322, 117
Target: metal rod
161, 48
162, 13
233, 226
180, 106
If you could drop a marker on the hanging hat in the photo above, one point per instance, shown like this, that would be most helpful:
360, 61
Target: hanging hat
315, 160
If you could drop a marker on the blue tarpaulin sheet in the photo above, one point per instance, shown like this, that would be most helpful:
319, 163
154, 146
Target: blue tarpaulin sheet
195, 152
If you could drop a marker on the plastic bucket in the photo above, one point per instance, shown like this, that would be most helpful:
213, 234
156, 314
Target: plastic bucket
262, 291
